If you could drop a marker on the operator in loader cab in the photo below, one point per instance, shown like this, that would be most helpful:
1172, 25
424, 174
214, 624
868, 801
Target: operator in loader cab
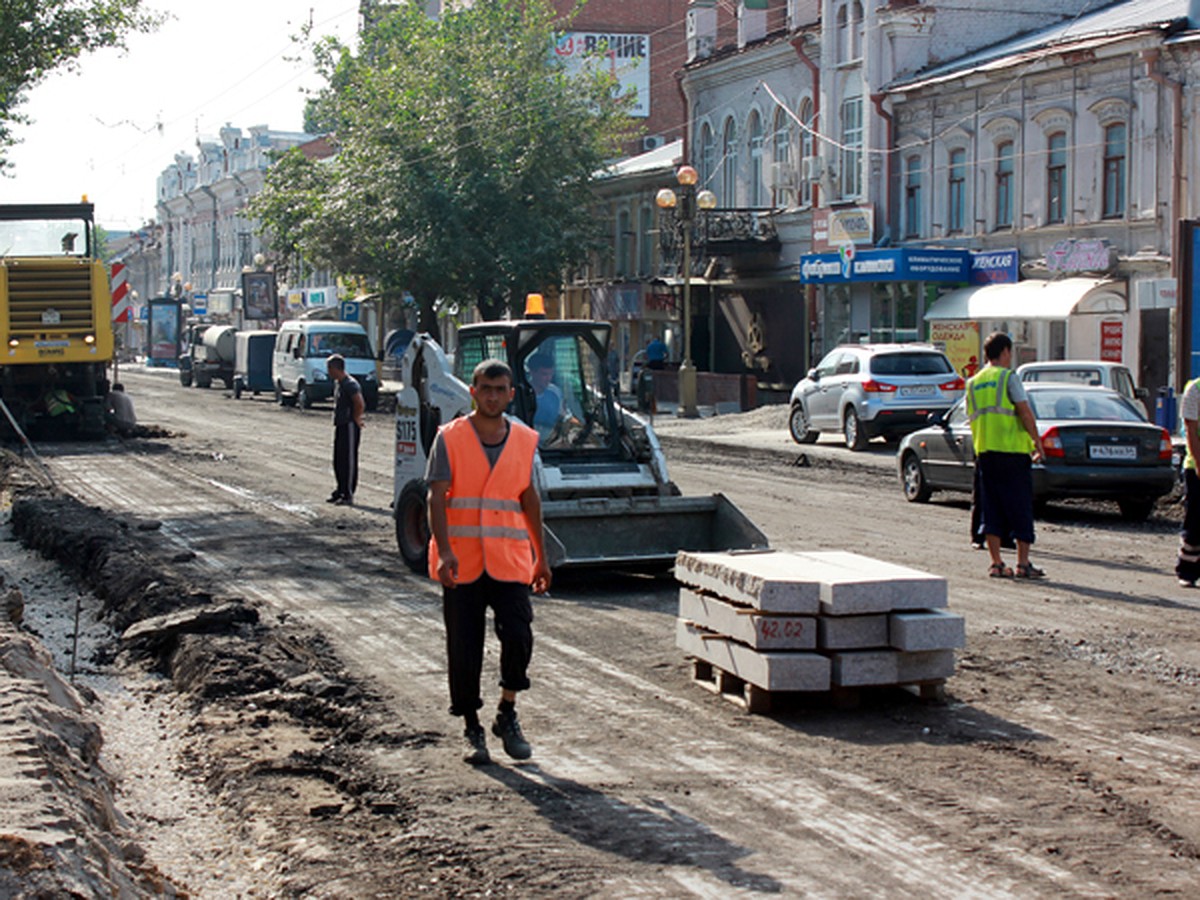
550, 407
486, 549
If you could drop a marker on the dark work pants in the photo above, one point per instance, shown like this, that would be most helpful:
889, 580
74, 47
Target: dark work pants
1187, 566
464, 609
345, 458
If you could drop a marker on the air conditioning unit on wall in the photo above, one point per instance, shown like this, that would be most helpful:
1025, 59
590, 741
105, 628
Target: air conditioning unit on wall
783, 176
652, 142
810, 168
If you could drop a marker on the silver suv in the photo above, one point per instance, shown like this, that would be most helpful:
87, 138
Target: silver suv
872, 390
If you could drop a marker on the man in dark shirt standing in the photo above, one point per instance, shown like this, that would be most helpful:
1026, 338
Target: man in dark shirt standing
348, 409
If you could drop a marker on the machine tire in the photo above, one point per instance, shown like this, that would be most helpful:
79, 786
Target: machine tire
204, 381
1135, 509
185, 377
303, 399
412, 526
912, 476
852, 431
798, 425
228, 383
371, 400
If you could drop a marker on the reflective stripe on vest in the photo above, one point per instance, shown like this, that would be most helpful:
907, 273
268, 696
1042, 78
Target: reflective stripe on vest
1188, 461
995, 425
485, 521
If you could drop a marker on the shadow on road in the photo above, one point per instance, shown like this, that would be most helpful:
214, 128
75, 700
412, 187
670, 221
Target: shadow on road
654, 833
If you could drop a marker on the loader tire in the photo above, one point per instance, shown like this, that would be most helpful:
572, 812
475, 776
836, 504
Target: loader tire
412, 526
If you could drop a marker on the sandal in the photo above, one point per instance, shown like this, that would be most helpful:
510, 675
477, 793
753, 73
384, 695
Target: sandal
999, 570
1029, 570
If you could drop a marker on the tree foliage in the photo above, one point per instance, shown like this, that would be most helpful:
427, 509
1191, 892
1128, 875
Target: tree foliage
465, 158
39, 36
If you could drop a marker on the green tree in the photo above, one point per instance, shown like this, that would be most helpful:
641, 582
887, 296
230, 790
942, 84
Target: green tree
465, 158
38, 36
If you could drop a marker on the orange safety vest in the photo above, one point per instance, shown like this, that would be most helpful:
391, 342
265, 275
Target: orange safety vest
483, 506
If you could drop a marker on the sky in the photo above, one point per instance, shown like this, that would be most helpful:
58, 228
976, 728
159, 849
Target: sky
109, 129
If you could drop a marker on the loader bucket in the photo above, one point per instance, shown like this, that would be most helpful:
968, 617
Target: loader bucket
642, 532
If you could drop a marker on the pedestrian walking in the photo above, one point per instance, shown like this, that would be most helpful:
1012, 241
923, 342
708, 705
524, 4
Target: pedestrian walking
1187, 567
486, 550
1004, 432
348, 421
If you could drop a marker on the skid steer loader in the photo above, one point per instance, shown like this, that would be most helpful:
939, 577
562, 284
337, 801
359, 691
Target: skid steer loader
607, 500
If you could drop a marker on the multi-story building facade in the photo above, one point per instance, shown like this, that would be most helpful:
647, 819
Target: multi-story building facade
1056, 149
208, 239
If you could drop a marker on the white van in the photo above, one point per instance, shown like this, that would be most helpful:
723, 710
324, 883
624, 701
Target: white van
298, 367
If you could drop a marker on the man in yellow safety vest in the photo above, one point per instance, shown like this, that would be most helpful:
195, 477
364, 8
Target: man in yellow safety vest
1187, 567
1005, 433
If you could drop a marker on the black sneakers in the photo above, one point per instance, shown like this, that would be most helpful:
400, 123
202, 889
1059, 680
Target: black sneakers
475, 749
508, 729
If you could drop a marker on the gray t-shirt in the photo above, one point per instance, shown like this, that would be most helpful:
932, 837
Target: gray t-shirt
1016, 389
438, 466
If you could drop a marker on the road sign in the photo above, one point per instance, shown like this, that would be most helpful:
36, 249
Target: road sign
349, 310
120, 293
200, 304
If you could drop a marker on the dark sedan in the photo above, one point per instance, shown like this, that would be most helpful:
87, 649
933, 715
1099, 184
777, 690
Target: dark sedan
1098, 445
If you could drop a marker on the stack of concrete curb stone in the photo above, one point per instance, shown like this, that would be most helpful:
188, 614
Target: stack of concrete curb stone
758, 623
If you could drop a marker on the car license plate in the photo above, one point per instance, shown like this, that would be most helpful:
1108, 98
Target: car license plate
917, 390
1112, 451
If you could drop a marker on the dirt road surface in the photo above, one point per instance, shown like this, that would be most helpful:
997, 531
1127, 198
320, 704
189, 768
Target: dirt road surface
1064, 761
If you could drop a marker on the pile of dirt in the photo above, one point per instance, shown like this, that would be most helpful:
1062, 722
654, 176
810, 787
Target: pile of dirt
278, 733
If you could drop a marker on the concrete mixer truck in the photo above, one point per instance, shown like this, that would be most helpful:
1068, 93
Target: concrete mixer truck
208, 355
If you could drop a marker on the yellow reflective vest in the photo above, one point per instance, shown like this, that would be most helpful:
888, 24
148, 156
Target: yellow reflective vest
487, 525
1188, 461
995, 425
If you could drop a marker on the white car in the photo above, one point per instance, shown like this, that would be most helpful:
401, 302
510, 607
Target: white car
872, 390
1093, 372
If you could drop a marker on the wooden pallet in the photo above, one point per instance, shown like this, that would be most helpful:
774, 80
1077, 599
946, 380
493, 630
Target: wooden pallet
755, 699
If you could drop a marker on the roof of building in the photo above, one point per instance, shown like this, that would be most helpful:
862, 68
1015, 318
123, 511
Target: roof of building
1113, 22
666, 157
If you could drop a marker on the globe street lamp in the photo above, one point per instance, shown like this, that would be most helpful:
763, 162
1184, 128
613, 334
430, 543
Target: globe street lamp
685, 202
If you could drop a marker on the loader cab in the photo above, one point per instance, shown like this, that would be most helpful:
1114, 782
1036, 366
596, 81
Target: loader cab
560, 376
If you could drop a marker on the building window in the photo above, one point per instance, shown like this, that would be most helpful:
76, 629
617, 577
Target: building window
729, 165
852, 139
781, 144
646, 236
1056, 178
856, 30
708, 155
956, 212
755, 130
807, 151
1004, 184
1114, 171
624, 241
912, 197
843, 33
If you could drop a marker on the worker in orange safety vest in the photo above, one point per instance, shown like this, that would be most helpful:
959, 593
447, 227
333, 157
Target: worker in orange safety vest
486, 549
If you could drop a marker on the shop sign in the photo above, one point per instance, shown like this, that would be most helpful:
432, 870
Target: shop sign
1079, 255
960, 342
995, 266
839, 227
899, 264
1111, 339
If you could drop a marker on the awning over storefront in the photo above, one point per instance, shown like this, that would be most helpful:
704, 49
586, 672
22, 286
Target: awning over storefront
1030, 300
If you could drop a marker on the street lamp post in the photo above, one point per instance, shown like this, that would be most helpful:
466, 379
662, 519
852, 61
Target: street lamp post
685, 203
